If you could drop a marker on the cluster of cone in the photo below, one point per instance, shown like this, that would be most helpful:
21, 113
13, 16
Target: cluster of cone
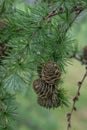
45, 87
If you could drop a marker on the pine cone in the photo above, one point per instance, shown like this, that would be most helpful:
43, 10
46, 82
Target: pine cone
49, 102
85, 53
40, 87
47, 94
43, 89
51, 73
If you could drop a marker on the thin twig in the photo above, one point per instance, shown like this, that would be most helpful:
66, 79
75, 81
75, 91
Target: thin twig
77, 13
53, 13
75, 99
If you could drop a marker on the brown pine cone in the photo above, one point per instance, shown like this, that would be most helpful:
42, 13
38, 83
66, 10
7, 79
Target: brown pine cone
85, 53
51, 73
49, 102
43, 89
47, 94
40, 87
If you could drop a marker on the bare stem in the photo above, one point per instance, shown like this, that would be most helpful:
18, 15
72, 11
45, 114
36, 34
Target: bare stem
75, 99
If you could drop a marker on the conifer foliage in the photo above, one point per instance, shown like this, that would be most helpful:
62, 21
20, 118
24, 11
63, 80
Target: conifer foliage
34, 41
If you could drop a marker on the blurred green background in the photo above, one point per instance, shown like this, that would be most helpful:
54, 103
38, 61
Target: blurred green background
38, 118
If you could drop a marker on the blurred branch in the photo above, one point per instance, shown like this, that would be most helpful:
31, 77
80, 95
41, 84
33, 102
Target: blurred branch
75, 99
